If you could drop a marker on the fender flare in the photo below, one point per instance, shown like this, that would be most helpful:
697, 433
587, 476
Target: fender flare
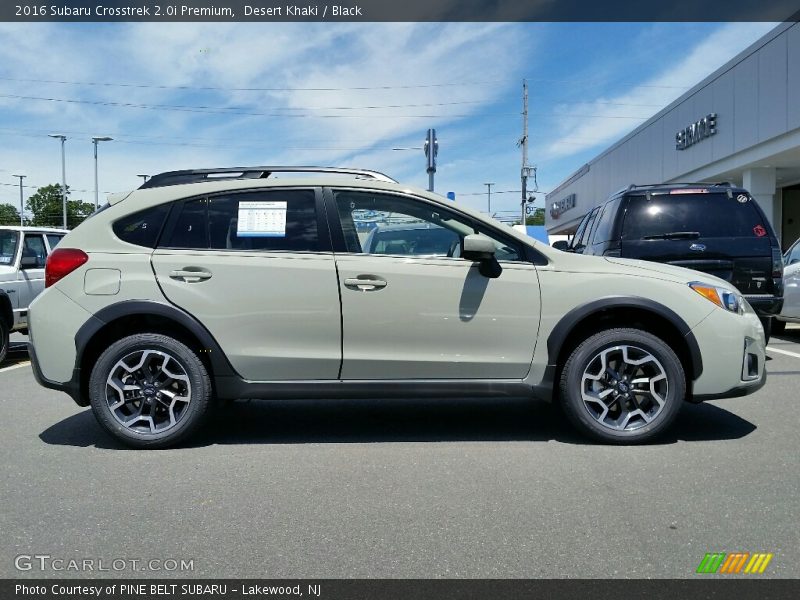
568, 322
128, 308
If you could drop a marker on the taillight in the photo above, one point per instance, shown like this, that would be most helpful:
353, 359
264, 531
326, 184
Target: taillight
62, 262
777, 263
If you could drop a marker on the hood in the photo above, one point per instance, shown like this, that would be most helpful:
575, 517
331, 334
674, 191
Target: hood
671, 272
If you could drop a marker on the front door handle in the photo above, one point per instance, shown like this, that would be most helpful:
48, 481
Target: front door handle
191, 274
365, 283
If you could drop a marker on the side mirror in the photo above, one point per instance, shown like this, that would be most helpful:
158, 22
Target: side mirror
562, 245
480, 248
28, 262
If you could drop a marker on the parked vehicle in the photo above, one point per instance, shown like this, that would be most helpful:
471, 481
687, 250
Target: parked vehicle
229, 283
791, 290
23, 251
714, 228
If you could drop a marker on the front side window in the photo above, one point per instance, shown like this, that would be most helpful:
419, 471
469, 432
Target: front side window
33, 247
8, 246
375, 223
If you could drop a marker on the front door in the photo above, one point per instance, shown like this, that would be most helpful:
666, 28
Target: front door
413, 309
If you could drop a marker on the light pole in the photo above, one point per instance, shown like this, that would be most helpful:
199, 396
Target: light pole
144, 177
21, 177
489, 195
95, 140
63, 139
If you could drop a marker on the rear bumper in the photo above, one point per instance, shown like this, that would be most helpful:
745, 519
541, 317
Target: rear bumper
765, 305
71, 387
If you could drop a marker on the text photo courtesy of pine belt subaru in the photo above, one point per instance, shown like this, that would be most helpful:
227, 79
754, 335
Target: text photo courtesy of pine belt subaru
222, 284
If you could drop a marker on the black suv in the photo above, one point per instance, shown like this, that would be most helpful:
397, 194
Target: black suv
715, 228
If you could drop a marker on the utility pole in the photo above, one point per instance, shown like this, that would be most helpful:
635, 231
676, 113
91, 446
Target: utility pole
525, 171
63, 139
21, 177
489, 196
95, 140
431, 150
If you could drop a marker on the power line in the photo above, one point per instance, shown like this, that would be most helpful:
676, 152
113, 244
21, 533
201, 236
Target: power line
253, 89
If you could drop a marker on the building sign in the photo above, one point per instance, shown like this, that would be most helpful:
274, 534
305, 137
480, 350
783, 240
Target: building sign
697, 131
562, 206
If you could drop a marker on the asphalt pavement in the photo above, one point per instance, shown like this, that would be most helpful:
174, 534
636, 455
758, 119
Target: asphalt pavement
403, 489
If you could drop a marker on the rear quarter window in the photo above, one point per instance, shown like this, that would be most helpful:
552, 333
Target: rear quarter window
142, 228
710, 215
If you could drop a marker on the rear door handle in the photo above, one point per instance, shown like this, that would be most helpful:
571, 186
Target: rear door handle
365, 283
191, 274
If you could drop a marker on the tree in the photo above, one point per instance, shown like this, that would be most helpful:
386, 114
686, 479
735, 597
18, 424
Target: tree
47, 208
8, 215
537, 218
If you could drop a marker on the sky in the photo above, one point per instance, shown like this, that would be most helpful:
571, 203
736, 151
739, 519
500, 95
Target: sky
196, 95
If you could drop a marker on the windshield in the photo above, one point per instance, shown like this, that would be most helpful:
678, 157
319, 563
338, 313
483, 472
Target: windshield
692, 216
8, 246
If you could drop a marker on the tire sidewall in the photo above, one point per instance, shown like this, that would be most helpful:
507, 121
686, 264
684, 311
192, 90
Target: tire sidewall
198, 378
585, 352
5, 335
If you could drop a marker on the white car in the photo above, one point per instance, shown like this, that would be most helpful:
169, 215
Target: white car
23, 252
791, 289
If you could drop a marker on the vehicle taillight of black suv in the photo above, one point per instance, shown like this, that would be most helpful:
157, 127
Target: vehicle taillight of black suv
716, 228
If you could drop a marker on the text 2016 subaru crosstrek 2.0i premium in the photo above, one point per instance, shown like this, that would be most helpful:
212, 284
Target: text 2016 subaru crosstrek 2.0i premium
231, 283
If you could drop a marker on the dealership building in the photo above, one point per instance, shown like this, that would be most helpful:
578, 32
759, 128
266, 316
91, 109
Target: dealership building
741, 124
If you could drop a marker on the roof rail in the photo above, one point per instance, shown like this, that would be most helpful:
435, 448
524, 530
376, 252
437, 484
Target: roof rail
199, 175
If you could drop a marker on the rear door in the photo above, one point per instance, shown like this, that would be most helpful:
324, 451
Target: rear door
31, 279
704, 230
256, 269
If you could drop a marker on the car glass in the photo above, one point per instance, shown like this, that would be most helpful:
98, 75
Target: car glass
33, 246
376, 223
8, 246
142, 228
274, 220
692, 215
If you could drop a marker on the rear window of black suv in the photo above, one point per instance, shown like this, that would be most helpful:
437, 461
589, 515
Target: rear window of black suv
706, 214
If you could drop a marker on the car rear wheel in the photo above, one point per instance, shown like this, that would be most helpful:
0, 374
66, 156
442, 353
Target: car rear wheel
622, 386
4, 335
149, 391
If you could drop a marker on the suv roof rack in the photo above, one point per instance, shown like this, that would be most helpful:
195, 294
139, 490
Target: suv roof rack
198, 175
687, 184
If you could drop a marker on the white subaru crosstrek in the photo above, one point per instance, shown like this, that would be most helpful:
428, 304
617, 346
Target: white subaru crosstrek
232, 283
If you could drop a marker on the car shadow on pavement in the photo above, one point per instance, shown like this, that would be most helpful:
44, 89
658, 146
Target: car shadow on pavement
378, 421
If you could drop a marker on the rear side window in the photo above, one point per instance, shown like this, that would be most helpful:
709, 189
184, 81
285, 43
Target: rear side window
53, 240
709, 215
141, 228
603, 232
275, 220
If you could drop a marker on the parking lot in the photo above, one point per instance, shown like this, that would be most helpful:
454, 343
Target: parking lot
401, 489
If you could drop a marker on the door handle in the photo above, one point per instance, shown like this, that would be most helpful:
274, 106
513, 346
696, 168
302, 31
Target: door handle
365, 283
191, 274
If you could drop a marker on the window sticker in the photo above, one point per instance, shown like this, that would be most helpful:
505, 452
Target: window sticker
261, 219
5, 260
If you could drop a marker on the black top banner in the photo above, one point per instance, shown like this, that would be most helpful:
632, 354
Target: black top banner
405, 10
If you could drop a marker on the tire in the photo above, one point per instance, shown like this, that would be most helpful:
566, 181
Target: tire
631, 419
778, 326
4, 342
768, 324
150, 391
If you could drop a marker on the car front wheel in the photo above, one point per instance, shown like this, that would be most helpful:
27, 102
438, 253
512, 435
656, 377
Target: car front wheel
622, 386
149, 391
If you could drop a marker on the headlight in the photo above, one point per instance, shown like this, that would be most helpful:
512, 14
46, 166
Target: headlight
722, 297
